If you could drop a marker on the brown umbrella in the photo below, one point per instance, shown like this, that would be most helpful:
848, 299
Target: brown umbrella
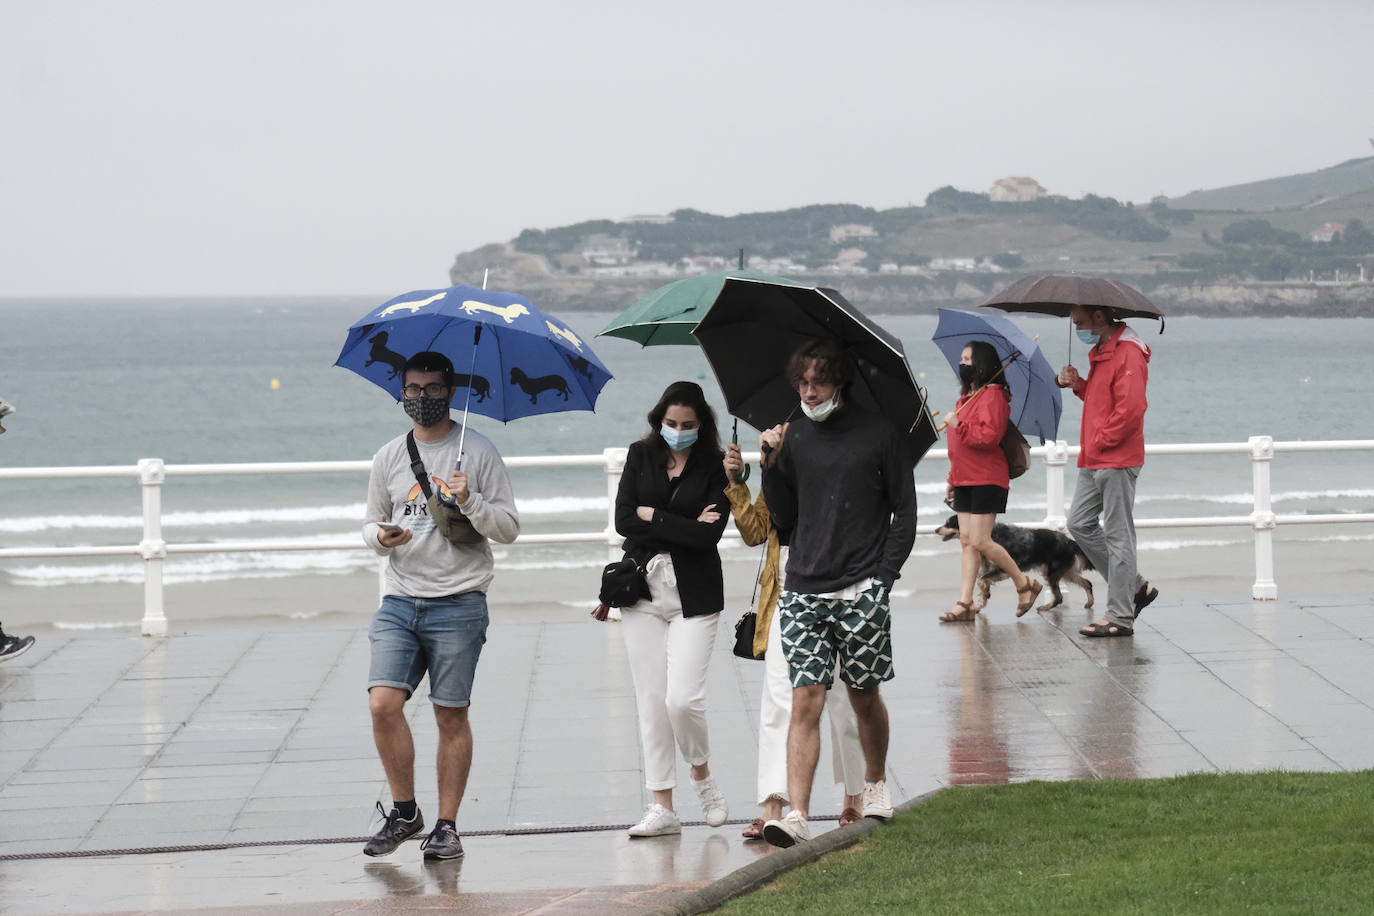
1055, 295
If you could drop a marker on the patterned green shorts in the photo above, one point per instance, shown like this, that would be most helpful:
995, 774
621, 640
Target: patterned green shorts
816, 630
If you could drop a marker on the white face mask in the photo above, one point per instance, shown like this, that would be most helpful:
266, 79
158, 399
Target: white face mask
821, 410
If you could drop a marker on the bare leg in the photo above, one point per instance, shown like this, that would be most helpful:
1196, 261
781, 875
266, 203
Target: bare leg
395, 746
873, 731
980, 537
804, 744
454, 758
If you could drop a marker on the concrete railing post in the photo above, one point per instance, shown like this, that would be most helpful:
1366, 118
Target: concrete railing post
151, 474
1261, 457
1056, 458
615, 465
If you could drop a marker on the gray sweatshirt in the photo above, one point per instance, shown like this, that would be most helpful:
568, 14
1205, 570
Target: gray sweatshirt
429, 566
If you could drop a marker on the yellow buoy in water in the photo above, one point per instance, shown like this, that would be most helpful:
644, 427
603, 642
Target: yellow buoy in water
276, 384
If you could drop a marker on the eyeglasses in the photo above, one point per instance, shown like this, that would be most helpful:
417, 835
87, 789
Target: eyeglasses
432, 390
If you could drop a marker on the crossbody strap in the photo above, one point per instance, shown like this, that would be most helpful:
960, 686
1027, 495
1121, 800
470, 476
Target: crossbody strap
417, 467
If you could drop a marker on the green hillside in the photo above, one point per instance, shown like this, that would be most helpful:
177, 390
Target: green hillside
1286, 193
960, 245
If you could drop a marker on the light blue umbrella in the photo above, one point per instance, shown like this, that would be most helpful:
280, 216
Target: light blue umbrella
1036, 403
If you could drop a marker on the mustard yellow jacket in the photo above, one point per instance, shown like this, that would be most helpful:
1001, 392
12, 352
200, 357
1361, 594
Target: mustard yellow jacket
756, 526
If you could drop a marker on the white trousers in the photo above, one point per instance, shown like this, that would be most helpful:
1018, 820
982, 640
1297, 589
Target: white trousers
775, 714
669, 656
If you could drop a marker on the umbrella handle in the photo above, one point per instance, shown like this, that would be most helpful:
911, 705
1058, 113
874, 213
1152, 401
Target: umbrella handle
734, 440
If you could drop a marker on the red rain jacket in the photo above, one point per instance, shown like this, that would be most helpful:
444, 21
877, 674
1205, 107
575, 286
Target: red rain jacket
1114, 404
975, 445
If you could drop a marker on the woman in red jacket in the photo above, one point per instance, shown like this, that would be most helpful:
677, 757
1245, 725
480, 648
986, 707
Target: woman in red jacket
978, 477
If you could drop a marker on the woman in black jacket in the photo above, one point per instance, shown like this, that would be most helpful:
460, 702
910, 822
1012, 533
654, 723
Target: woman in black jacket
670, 508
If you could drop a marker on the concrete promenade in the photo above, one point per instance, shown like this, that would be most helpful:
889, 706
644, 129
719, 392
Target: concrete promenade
229, 735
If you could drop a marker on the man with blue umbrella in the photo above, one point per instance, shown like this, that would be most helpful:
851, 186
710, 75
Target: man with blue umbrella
436, 496
433, 618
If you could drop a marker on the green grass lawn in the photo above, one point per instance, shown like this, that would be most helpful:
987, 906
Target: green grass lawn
1204, 843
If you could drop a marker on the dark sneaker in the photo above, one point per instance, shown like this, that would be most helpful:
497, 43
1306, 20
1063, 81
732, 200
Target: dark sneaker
13, 646
394, 832
442, 843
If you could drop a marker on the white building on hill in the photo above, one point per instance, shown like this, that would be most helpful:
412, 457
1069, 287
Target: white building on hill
1016, 188
852, 231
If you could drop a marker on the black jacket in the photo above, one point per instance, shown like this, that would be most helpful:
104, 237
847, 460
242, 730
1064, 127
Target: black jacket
847, 490
675, 529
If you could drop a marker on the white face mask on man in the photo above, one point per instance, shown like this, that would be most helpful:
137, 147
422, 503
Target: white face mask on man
821, 410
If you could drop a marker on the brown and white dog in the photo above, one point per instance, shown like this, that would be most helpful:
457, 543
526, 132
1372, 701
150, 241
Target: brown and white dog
1053, 554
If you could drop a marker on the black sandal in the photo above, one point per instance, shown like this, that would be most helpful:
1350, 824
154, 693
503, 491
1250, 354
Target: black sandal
1106, 629
1144, 597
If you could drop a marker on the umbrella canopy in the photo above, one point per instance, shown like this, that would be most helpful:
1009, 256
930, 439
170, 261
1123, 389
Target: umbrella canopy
515, 360
668, 314
754, 328
1036, 403
1056, 295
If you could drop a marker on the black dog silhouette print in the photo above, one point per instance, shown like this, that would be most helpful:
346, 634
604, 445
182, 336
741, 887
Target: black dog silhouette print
380, 354
581, 366
478, 383
537, 386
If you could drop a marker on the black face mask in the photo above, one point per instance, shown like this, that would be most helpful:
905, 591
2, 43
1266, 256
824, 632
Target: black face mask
426, 411
966, 374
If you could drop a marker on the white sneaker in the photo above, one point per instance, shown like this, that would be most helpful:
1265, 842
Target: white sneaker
712, 802
657, 821
877, 803
791, 830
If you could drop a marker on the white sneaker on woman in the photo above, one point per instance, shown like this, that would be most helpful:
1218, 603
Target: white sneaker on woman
713, 806
657, 821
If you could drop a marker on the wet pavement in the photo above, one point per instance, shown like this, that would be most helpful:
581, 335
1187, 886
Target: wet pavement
233, 735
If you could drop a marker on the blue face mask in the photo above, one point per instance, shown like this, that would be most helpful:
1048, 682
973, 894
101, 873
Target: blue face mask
678, 439
1088, 337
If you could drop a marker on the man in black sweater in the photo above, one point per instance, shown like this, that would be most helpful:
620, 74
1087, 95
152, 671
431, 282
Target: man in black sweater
841, 480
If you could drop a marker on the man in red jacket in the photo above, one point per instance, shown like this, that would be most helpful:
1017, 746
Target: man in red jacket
1112, 450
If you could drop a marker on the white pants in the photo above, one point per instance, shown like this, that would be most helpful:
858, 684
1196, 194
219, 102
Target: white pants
669, 655
775, 714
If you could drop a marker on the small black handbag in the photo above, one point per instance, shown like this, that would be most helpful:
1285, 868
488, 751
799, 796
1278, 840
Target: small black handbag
623, 584
744, 635
748, 623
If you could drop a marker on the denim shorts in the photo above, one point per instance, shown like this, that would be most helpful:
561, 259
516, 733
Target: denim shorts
441, 636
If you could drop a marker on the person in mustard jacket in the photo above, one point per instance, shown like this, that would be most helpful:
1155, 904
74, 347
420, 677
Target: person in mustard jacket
979, 479
775, 706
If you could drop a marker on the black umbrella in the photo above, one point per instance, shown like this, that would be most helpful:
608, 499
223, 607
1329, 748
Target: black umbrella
1056, 295
754, 327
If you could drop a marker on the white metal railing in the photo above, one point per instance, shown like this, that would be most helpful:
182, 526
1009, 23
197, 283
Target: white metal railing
151, 473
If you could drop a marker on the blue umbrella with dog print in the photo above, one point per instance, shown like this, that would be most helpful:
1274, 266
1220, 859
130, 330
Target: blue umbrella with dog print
513, 359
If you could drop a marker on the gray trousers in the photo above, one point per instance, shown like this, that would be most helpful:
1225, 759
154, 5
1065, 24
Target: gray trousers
1109, 545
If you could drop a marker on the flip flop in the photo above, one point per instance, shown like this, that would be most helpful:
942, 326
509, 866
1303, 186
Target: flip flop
1144, 597
754, 831
1106, 629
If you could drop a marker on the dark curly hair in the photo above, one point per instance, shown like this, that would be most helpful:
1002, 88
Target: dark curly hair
833, 365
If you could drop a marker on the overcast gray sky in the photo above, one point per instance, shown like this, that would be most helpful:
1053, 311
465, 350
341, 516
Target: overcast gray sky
168, 147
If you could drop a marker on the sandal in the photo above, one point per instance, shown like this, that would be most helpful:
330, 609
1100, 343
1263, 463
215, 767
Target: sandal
1031, 589
754, 831
850, 816
1144, 597
969, 612
1106, 629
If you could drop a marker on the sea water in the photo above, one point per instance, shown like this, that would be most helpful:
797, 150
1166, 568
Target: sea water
199, 380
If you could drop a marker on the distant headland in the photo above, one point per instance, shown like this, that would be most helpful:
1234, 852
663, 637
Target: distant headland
1293, 245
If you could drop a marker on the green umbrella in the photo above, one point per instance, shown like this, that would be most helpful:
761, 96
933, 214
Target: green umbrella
668, 314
